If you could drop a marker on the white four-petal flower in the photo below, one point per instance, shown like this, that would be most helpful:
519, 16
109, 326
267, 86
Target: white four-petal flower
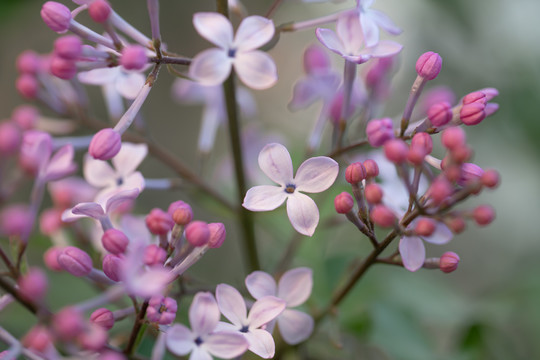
371, 20
314, 175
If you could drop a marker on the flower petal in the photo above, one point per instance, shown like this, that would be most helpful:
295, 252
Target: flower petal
276, 163
264, 198
151, 282
231, 304
303, 213
295, 286
119, 198
256, 69
348, 29
89, 209
226, 345
412, 252
211, 67
295, 326
385, 22
265, 310
329, 39
261, 343
199, 353
316, 174
253, 32
129, 158
203, 313
260, 284
369, 28
99, 76
61, 164
440, 236
129, 84
383, 48
179, 339
98, 173
214, 27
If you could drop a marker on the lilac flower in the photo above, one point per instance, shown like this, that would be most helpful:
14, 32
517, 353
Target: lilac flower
255, 68
371, 20
314, 175
348, 41
294, 288
203, 341
233, 307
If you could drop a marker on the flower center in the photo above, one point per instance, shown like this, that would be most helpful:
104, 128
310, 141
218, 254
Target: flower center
119, 181
289, 188
231, 53
162, 308
198, 341
244, 329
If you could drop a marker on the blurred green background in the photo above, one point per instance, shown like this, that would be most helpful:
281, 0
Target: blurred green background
489, 308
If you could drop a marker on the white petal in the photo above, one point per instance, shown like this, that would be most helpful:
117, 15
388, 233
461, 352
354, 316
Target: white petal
303, 213
265, 310
316, 174
133, 181
129, 84
295, 326
231, 304
369, 28
253, 32
98, 173
441, 235
129, 158
90, 209
199, 353
212, 117
211, 67
383, 49
412, 252
226, 345
179, 339
264, 198
120, 197
295, 286
227, 327
260, 284
329, 39
305, 93
256, 69
203, 313
99, 76
61, 164
276, 163
348, 29
69, 216
214, 27
385, 22
261, 343
188, 91
151, 282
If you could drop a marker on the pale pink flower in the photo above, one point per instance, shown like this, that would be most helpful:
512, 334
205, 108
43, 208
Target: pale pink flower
371, 20
99, 210
255, 68
314, 175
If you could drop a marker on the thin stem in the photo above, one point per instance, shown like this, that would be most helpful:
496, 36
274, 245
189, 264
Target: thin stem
136, 328
171, 60
273, 8
347, 148
8, 263
11, 290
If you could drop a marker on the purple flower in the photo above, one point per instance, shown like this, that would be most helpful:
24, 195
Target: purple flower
203, 341
255, 68
371, 20
161, 310
314, 175
294, 288
99, 210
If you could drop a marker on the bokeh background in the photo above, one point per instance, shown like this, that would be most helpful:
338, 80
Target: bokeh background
489, 308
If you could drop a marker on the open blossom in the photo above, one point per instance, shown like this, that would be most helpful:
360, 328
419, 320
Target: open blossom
314, 175
255, 68
371, 20
99, 210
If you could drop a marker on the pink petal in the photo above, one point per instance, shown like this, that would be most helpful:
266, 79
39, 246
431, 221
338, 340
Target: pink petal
276, 163
329, 39
98, 173
295, 326
226, 345
441, 235
295, 286
385, 22
383, 48
179, 339
261, 343
214, 27
265, 310
253, 32
231, 304
203, 313
303, 213
211, 67
316, 174
90, 209
129, 84
412, 252
256, 69
260, 284
348, 29
99, 76
129, 158
264, 198
120, 197
61, 164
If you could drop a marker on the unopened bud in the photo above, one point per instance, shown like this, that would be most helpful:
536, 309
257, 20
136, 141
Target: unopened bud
154, 255
490, 178
440, 190
103, 317
343, 203
99, 10
424, 227
56, 16
483, 215
473, 113
38, 339
453, 137
372, 169
429, 65
75, 261
10, 138
382, 216
159, 222
440, 114
33, 285
396, 151
115, 241
105, 144
355, 173
63, 68
379, 131
27, 85
27, 62
133, 57
25, 116
218, 233
449, 262
373, 193
68, 323
197, 233
111, 266
316, 60
68, 47
50, 258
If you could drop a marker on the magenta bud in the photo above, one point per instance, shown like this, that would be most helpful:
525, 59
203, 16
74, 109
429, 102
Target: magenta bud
56, 16
217, 235
10, 138
94, 338
378, 71
50, 221
424, 227
103, 317
454, 137
429, 65
316, 60
373, 193
63, 68
68, 323
38, 339
439, 190
182, 214
396, 151
161, 310
456, 224
115, 241
469, 173
355, 173
75, 261
68, 47
490, 93
25, 116
159, 222
105, 144
473, 113
27, 85
422, 141
382, 216
197, 233
99, 10
133, 57
343, 203
16, 220
379, 131
436, 95
50, 258
372, 169
449, 262
461, 154
111, 266
483, 215
477, 96
33, 285
27, 62
154, 255
440, 114
490, 178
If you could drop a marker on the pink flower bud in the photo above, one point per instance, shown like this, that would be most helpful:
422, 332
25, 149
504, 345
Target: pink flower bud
218, 233
477, 96
50, 221
440, 114
429, 65
38, 339
373, 193
491, 108
490, 93
16, 220
470, 173
461, 154
355, 173
68, 47
159, 222
449, 262
416, 156
336, 108
182, 214
56, 16
456, 224
75, 261
490, 178
35, 151
68, 323
343, 203
63, 68
33, 285
105, 144
50, 258
396, 151
27, 85
161, 310
422, 141
424, 227
382, 216
379, 131
25, 116
372, 169
103, 317
94, 337
10, 138
197, 233
115, 241
316, 60
111, 266
440, 190
483, 215
154, 255
28, 62
99, 11
133, 57
453, 137
473, 113
435, 95
378, 71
